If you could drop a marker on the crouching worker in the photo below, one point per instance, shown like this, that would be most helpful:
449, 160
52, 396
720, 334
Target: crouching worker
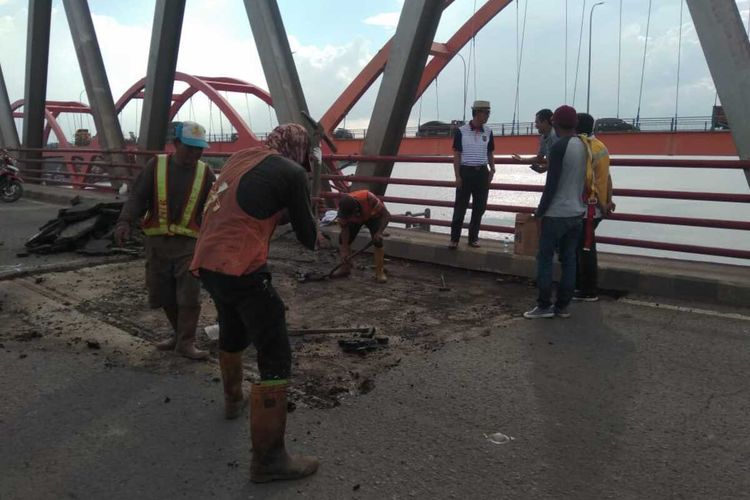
242, 211
355, 210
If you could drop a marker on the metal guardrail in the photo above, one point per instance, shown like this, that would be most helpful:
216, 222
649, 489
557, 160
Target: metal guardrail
657, 124
85, 179
638, 193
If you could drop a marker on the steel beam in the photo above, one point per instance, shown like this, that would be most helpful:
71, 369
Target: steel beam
406, 62
97, 85
8, 132
727, 50
277, 61
162, 64
35, 88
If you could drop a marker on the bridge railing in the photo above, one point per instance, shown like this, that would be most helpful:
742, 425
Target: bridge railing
740, 253
651, 124
80, 172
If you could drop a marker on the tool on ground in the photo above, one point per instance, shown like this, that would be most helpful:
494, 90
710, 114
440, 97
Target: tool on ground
303, 277
364, 331
443, 287
362, 346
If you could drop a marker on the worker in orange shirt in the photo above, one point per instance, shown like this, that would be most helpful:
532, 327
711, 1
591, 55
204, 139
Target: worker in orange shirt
355, 210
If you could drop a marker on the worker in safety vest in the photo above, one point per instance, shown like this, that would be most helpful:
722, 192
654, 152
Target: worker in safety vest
356, 209
256, 188
599, 205
168, 198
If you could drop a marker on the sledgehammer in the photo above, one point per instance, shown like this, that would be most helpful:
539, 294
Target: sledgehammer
364, 331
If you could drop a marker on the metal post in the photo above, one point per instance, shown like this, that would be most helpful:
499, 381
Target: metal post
35, 91
96, 82
588, 86
398, 89
727, 50
162, 64
8, 132
277, 61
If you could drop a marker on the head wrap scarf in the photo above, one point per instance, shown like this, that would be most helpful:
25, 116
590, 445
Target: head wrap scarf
292, 142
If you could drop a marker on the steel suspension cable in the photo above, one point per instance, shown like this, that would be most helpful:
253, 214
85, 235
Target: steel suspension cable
643, 65
137, 123
437, 99
566, 52
679, 60
474, 49
619, 61
578, 59
513, 121
247, 108
517, 103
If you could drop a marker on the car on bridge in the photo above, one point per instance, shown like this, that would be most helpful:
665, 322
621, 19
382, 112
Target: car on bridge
614, 125
342, 133
435, 129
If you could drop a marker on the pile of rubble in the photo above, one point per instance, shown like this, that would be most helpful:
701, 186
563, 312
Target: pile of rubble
86, 228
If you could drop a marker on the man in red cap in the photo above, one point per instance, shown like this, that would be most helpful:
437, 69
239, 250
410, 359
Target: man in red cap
560, 211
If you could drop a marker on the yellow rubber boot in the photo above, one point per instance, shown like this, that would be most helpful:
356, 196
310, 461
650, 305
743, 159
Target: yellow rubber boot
270, 460
379, 257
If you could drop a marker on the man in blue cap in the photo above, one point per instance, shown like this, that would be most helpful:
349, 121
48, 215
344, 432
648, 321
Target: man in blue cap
167, 200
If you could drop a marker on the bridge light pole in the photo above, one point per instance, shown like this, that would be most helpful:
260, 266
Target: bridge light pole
588, 87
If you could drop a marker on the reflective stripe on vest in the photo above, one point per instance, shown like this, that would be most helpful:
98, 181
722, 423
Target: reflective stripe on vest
162, 208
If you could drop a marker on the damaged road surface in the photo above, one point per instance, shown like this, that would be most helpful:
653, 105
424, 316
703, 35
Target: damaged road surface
409, 315
448, 394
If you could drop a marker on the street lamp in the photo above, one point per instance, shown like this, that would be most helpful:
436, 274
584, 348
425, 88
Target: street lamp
588, 89
464, 61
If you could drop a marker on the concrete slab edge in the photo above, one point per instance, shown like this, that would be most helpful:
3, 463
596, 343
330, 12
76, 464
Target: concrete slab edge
646, 281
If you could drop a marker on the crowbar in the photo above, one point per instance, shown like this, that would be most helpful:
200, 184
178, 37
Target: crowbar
306, 277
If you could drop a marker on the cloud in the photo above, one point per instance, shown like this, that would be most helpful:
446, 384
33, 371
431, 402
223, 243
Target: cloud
388, 20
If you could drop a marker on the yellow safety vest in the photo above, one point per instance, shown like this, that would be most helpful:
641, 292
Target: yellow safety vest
187, 225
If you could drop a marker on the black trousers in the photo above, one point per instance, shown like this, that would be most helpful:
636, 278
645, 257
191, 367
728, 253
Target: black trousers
250, 311
475, 184
587, 264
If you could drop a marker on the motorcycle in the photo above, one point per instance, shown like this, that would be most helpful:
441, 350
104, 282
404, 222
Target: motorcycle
11, 184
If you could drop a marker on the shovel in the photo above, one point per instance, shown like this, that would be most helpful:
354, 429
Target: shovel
307, 277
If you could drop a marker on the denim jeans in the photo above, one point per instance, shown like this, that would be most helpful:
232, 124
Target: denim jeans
561, 234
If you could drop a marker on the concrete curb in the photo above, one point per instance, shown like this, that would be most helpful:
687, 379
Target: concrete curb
684, 280
60, 196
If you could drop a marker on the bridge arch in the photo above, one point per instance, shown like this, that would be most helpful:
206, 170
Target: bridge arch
443, 54
211, 88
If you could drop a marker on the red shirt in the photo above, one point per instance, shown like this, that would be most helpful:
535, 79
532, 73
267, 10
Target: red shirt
371, 208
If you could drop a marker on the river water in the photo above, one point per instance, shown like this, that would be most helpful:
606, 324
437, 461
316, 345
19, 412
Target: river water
701, 180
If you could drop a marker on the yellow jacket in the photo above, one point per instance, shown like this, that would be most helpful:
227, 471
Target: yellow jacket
597, 170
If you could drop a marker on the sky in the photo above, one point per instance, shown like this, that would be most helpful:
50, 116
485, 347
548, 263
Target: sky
333, 39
